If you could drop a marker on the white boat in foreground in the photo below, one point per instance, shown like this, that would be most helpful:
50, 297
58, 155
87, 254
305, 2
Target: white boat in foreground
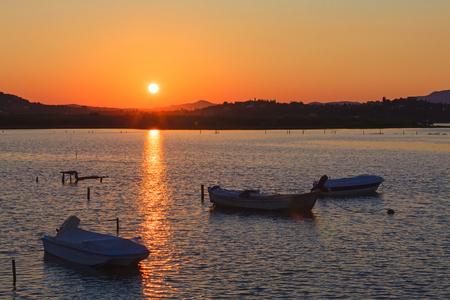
254, 199
93, 249
362, 184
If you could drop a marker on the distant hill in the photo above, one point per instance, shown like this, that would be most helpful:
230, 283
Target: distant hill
437, 97
188, 106
16, 112
12, 104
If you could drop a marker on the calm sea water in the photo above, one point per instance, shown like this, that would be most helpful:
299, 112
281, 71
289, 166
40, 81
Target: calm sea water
349, 248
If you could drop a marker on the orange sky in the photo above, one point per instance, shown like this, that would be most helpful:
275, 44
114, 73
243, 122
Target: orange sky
106, 53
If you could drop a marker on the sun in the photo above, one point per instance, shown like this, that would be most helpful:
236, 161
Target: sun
153, 88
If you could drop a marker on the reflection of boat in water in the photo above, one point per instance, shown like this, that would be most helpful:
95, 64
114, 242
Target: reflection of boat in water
221, 213
91, 248
362, 184
254, 199
65, 267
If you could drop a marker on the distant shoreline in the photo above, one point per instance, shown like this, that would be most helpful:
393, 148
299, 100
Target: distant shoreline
225, 129
17, 113
176, 122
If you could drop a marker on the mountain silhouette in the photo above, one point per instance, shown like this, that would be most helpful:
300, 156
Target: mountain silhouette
16, 112
14, 104
188, 106
437, 97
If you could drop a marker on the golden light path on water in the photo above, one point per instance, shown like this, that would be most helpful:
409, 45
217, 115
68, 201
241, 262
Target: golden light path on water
157, 230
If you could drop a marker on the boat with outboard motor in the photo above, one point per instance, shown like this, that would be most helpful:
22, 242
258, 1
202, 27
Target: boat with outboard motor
357, 185
91, 248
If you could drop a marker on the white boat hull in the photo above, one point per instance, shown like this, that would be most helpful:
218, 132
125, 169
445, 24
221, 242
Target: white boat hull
91, 248
92, 258
358, 185
234, 199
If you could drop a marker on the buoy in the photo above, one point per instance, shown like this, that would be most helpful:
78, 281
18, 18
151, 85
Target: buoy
390, 211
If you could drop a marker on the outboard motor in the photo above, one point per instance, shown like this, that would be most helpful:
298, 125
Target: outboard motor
71, 222
320, 184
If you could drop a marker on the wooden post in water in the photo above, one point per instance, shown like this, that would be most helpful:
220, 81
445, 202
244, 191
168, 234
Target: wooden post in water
37, 179
203, 193
89, 193
63, 179
14, 272
117, 226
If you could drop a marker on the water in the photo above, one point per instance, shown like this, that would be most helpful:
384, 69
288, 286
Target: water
350, 248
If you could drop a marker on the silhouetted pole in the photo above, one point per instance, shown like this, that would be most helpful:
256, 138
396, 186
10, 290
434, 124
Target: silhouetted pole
89, 193
117, 226
203, 193
14, 272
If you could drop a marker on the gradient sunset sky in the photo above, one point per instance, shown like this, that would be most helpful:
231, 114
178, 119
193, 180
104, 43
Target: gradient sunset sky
106, 53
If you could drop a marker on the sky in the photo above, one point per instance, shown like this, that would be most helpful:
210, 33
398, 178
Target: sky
107, 52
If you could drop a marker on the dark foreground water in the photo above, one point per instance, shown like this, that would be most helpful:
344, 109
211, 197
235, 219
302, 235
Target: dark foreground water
349, 248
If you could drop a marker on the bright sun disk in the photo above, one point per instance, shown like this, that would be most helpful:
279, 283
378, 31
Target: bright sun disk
153, 88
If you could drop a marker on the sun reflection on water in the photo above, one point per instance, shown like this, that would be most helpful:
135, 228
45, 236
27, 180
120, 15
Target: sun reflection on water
157, 230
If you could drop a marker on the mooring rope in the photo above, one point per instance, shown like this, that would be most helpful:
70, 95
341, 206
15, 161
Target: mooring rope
389, 211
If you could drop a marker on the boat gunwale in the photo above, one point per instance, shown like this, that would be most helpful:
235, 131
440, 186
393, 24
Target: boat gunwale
51, 239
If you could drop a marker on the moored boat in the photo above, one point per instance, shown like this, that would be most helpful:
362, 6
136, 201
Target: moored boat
254, 199
357, 185
91, 248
